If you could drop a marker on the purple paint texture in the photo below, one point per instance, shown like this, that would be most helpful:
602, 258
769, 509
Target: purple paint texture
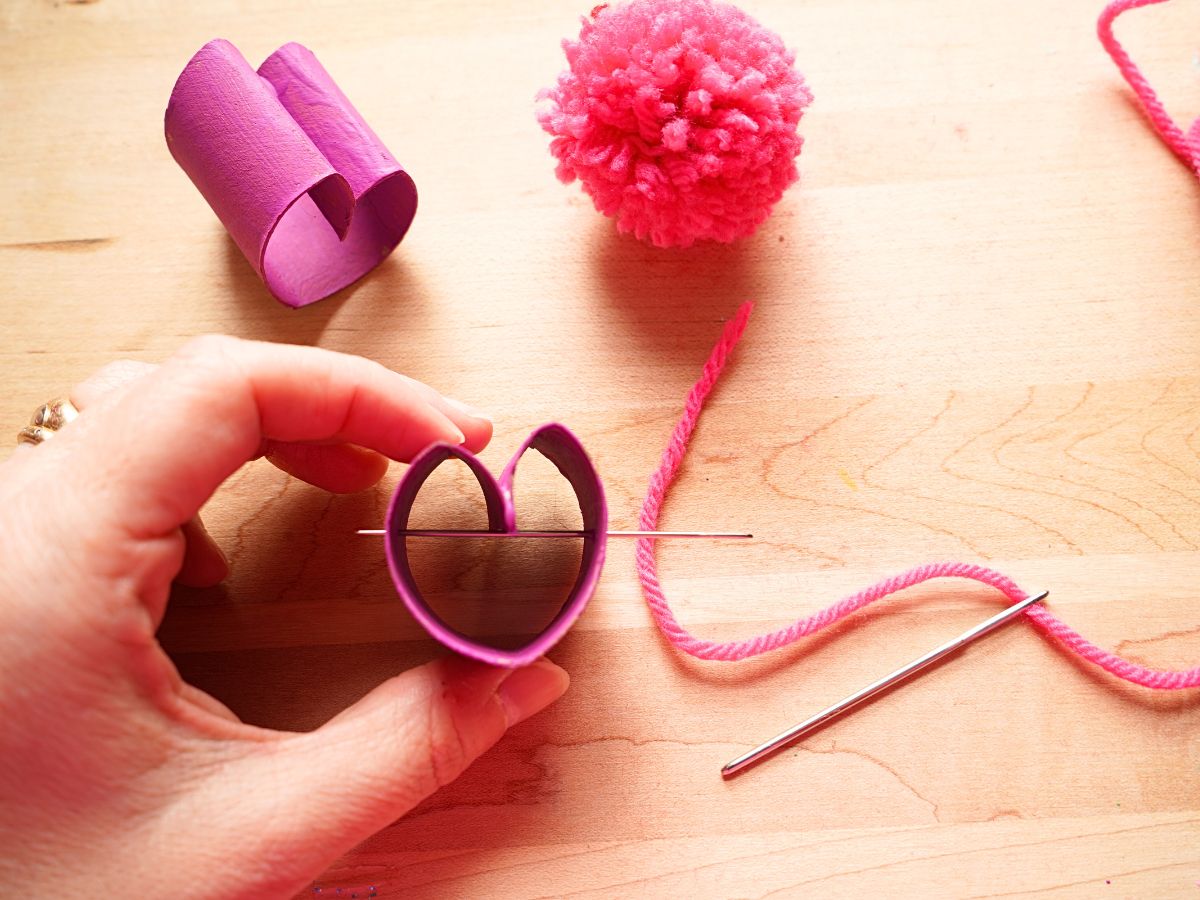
305, 188
562, 448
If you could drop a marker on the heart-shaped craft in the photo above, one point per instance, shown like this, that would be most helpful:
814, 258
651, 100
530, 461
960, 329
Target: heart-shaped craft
564, 450
306, 190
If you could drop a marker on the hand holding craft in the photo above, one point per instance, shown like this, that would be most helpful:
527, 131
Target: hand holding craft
120, 779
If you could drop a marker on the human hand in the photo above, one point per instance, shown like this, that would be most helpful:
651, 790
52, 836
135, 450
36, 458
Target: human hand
116, 777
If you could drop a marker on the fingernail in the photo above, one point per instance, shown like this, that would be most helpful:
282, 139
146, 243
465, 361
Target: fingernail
530, 690
452, 434
468, 410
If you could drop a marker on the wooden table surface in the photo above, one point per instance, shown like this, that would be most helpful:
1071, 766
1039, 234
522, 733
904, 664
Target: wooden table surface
977, 336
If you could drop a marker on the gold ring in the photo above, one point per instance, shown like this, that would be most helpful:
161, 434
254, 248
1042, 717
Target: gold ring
48, 419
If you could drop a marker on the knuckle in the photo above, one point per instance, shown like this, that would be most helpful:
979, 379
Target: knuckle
447, 749
120, 370
211, 360
208, 374
208, 347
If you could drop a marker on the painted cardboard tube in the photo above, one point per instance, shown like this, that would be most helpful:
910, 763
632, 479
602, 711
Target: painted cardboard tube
565, 451
306, 189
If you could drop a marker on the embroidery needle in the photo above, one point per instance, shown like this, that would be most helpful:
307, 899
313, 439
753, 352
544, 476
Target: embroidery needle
422, 532
811, 724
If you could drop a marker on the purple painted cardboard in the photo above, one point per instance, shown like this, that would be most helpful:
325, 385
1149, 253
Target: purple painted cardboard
305, 188
562, 448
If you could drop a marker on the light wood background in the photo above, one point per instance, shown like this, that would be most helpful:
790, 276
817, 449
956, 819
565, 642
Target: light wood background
977, 336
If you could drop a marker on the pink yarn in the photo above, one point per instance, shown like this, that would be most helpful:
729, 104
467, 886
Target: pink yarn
1185, 146
647, 567
678, 117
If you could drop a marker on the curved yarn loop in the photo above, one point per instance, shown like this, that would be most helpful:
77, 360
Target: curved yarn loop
1185, 145
731, 651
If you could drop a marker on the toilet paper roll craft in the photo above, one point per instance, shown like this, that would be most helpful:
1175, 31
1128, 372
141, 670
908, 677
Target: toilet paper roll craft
565, 451
1184, 144
1024, 603
307, 191
678, 117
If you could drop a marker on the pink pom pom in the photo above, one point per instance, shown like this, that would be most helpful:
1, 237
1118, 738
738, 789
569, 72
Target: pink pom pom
678, 117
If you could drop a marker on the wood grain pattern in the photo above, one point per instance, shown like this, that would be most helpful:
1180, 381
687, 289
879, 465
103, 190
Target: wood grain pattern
977, 335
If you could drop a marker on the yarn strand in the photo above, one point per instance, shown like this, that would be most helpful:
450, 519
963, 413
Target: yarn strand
731, 651
1185, 146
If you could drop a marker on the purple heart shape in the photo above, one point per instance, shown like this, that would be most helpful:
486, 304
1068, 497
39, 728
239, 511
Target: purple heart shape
565, 451
305, 188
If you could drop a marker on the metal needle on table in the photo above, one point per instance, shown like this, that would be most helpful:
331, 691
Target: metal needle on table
795, 733
423, 532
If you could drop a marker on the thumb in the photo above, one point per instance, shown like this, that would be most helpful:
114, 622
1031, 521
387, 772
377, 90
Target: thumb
314, 796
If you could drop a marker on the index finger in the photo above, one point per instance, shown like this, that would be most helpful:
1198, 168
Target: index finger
161, 450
